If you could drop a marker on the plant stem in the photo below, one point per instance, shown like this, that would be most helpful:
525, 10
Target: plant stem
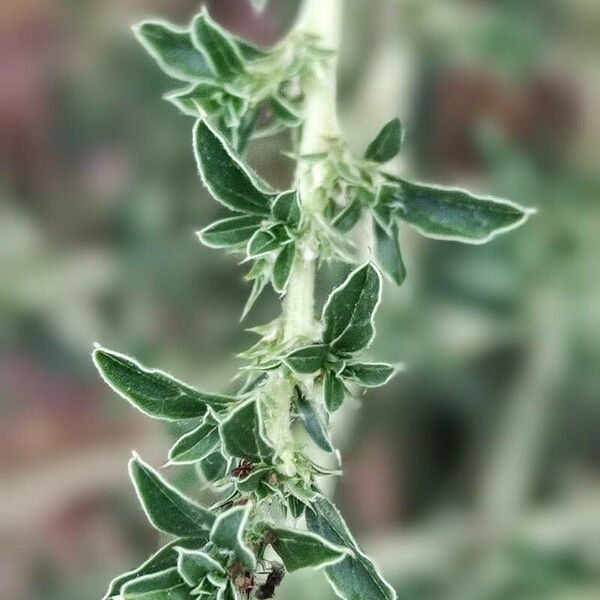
322, 19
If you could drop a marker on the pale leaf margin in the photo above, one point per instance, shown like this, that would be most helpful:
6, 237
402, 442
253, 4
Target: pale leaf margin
173, 97
262, 436
170, 462
375, 307
321, 540
149, 577
168, 69
182, 552
360, 553
239, 535
396, 369
527, 212
210, 22
135, 457
257, 181
99, 348
199, 234
109, 596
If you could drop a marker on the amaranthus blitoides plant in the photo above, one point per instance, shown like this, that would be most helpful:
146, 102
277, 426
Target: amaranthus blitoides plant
258, 446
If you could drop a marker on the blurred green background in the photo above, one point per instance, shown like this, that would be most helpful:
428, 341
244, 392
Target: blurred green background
474, 475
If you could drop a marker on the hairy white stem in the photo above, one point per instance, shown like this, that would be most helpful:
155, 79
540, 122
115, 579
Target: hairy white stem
322, 19
320, 121
320, 88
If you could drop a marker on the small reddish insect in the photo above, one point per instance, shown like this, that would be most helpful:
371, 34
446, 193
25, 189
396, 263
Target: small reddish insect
243, 579
244, 584
243, 469
274, 578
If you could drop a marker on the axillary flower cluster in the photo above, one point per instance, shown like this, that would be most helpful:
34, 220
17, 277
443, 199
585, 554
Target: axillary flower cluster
266, 447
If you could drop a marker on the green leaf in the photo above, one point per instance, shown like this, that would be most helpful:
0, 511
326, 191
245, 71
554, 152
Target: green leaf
195, 565
387, 143
302, 490
165, 585
167, 508
295, 506
349, 173
173, 50
246, 128
196, 444
355, 577
214, 466
154, 392
313, 423
383, 211
282, 267
232, 112
204, 589
252, 482
285, 112
231, 232
206, 95
224, 173
300, 549
227, 592
324, 471
218, 47
228, 533
242, 434
333, 391
165, 558
286, 208
349, 311
369, 374
348, 217
387, 252
455, 214
250, 51
267, 240
259, 274
308, 359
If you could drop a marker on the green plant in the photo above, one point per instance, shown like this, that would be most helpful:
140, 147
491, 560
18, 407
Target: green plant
250, 444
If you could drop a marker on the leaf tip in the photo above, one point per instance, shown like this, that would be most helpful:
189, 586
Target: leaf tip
96, 349
99, 355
